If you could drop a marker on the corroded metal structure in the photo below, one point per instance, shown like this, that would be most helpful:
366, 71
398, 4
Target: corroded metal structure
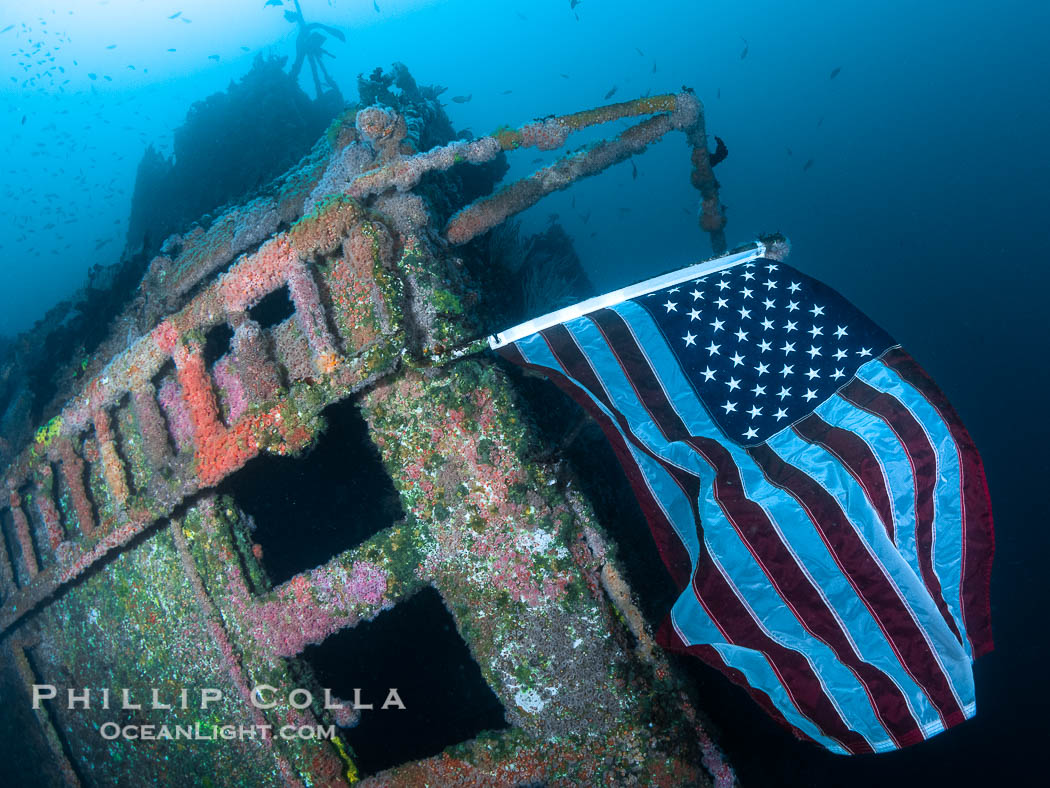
119, 562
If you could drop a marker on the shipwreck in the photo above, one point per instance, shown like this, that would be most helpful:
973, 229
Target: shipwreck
171, 520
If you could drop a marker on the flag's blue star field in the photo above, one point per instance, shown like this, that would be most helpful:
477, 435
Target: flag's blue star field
763, 344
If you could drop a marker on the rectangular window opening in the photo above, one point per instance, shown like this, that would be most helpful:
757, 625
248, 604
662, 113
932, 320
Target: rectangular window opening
308, 509
416, 649
173, 408
11, 544
37, 530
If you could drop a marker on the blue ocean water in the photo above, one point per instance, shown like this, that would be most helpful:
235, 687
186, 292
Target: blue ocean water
923, 126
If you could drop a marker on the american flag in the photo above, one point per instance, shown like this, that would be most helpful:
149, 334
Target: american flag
813, 495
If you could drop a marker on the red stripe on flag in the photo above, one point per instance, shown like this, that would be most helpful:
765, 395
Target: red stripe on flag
924, 474
868, 578
978, 531
856, 457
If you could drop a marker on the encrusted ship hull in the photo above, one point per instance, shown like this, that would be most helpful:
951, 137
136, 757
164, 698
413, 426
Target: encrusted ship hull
128, 562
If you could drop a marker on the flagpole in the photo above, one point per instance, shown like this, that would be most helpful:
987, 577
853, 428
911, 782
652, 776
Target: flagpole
772, 246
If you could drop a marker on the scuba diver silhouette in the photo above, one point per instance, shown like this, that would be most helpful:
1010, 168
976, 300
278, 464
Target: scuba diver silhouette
309, 48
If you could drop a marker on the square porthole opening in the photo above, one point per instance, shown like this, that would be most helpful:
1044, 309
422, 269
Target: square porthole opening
416, 649
273, 309
308, 509
217, 342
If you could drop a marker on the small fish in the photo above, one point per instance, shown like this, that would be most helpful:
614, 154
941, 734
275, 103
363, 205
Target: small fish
462, 99
612, 90
24, 119
563, 76
274, 2
375, 5
574, 3
807, 165
634, 171
835, 72
522, 16
721, 151
789, 152
101, 243
654, 66
112, 46
640, 52
107, 78
821, 121
6, 29
746, 47
176, 15
213, 57
246, 49
538, 161
171, 50
506, 92
93, 76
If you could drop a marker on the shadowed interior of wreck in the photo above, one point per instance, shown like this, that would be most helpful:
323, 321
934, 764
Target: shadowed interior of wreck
446, 698
310, 508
